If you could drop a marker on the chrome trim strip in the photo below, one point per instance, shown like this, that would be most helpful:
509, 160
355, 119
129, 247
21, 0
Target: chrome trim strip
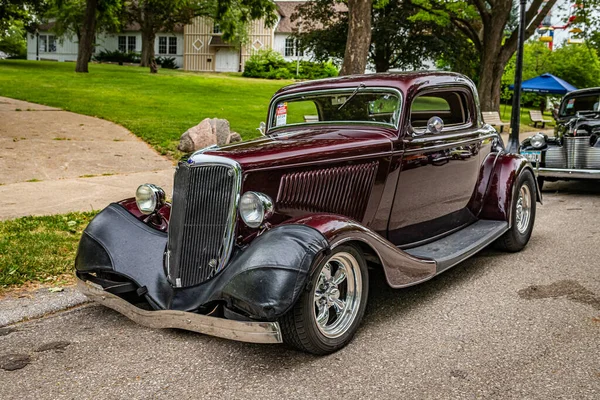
569, 173
243, 331
443, 145
198, 159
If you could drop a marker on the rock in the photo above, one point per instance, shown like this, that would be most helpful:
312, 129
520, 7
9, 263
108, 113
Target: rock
12, 362
197, 137
221, 130
234, 137
6, 331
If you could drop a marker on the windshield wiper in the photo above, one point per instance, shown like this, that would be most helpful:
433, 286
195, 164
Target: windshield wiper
360, 86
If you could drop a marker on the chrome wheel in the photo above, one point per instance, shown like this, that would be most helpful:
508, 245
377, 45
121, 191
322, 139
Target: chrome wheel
523, 211
337, 294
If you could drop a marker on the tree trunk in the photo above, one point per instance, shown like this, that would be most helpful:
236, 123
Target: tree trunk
381, 57
359, 37
86, 40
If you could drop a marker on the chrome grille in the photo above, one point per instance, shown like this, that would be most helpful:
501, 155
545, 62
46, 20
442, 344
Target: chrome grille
202, 222
576, 153
339, 190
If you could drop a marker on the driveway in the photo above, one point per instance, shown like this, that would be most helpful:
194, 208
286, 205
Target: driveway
498, 326
54, 161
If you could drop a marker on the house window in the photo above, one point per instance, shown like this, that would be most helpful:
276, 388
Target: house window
172, 45
217, 29
292, 48
127, 43
131, 43
167, 45
122, 43
47, 43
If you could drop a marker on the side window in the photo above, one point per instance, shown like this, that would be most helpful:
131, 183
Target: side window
451, 106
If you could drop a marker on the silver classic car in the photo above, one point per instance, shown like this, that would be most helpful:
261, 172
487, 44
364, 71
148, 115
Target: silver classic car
574, 151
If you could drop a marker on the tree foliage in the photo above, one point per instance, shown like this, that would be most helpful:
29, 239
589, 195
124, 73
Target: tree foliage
68, 16
397, 41
13, 40
25, 11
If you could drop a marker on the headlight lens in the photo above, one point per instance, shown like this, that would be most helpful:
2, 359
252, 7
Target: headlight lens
537, 140
149, 198
255, 208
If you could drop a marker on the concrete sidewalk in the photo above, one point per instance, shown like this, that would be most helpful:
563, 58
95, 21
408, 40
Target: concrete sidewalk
54, 161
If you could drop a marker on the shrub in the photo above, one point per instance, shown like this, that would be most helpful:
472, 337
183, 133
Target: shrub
167, 62
268, 64
117, 56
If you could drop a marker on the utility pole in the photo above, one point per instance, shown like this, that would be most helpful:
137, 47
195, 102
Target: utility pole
515, 120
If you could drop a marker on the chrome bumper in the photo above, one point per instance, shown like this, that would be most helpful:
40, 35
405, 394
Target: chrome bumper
252, 332
563, 173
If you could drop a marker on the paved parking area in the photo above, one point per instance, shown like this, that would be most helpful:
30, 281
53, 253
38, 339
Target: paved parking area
499, 326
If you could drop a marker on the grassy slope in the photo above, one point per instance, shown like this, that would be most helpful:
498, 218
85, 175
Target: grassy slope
39, 248
158, 108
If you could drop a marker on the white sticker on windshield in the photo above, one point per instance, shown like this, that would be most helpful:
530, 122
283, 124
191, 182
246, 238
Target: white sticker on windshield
281, 114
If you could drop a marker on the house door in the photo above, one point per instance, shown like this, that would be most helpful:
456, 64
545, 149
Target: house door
227, 60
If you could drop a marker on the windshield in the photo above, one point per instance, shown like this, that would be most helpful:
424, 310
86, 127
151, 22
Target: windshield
362, 105
581, 103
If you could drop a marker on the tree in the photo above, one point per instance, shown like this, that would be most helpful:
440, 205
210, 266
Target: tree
13, 41
156, 15
396, 40
487, 24
71, 18
359, 37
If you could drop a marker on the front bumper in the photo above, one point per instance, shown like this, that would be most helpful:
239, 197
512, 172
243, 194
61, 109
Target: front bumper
243, 331
564, 173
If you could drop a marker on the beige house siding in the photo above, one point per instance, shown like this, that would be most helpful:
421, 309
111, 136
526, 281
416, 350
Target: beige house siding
200, 55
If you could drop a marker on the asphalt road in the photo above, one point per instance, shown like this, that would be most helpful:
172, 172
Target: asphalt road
478, 331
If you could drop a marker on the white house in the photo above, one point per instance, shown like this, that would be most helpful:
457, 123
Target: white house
195, 47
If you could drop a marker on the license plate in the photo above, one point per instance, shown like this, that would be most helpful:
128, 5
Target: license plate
532, 156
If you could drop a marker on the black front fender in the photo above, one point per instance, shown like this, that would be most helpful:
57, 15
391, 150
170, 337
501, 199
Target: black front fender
263, 280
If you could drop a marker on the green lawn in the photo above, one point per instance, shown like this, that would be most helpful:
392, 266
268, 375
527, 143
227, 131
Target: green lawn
526, 124
157, 108
39, 249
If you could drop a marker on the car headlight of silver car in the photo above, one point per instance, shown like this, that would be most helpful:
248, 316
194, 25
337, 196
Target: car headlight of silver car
254, 208
537, 141
149, 198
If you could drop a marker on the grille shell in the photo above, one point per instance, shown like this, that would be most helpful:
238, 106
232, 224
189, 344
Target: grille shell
203, 216
339, 190
575, 153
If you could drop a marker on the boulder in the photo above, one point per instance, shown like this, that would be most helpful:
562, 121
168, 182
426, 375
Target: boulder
234, 137
221, 130
198, 137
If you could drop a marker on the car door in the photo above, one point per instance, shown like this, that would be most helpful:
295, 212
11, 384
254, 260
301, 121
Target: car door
439, 170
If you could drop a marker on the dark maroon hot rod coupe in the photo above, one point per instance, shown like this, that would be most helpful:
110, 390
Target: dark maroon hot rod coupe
272, 240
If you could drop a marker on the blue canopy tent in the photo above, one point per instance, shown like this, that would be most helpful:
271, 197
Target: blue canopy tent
546, 84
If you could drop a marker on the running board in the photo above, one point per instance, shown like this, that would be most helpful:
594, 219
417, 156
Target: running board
454, 248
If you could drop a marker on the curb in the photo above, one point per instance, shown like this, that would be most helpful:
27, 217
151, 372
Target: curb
38, 303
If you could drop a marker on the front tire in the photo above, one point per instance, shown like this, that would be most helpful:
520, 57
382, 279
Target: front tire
328, 314
523, 211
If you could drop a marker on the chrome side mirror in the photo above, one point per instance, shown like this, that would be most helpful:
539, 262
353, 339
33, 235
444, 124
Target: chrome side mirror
261, 128
435, 125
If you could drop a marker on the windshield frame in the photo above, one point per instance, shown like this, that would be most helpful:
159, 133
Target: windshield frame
349, 90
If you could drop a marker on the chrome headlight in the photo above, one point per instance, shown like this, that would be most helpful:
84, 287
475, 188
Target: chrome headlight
149, 198
537, 141
255, 208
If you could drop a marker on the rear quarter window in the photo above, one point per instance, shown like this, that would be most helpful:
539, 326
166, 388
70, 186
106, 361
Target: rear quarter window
451, 106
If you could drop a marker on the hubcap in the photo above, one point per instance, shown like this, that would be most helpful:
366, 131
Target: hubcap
337, 294
523, 212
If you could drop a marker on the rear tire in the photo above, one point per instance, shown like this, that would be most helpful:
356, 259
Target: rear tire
523, 212
329, 312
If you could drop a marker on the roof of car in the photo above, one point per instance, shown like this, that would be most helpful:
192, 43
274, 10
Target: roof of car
397, 80
583, 91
